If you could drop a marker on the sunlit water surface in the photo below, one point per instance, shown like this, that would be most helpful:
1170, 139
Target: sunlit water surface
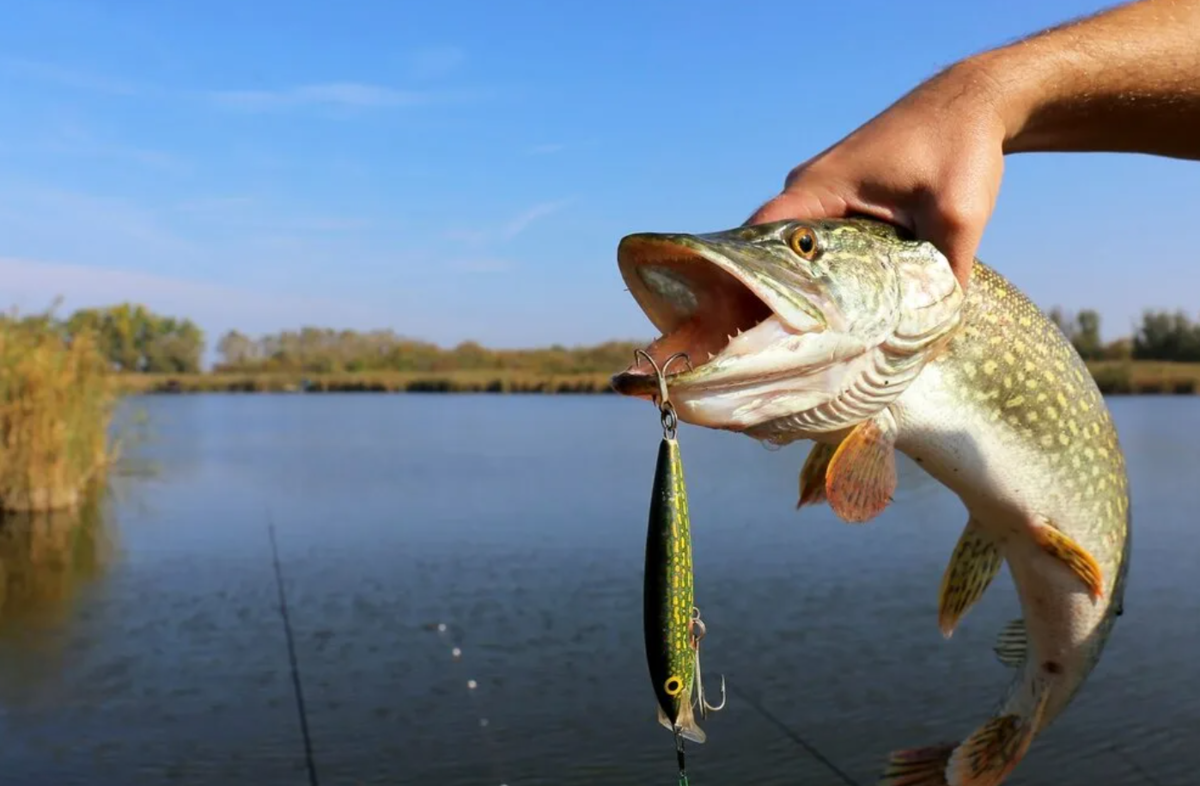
519, 523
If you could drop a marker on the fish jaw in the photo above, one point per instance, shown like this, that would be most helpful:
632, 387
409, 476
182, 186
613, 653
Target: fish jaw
773, 339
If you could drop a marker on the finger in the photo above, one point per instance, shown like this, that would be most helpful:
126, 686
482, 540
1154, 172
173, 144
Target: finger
779, 208
957, 237
796, 202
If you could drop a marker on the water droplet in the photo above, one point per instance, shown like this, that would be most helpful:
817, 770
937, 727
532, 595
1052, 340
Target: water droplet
456, 652
471, 684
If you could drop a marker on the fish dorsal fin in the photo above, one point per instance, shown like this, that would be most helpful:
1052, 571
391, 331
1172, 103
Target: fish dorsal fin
975, 562
812, 475
861, 476
1076, 557
1012, 644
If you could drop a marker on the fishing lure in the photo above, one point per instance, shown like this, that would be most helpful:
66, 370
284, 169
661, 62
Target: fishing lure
672, 624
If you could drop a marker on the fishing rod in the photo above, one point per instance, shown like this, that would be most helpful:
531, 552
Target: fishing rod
287, 628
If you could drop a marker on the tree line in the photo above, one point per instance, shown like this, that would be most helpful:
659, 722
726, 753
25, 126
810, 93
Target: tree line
137, 340
132, 338
1162, 335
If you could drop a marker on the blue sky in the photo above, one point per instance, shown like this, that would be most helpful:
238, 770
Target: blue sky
459, 170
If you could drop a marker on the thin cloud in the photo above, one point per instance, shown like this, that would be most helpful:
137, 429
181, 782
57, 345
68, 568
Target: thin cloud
345, 94
481, 265
524, 220
34, 285
65, 76
546, 149
509, 230
435, 61
73, 140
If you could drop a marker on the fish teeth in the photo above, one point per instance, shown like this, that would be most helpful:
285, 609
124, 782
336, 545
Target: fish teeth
711, 356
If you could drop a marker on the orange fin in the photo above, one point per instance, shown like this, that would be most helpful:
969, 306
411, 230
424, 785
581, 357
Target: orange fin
812, 475
861, 476
1074, 556
918, 766
992, 752
985, 758
975, 562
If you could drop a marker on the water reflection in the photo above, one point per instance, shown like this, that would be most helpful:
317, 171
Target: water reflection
47, 560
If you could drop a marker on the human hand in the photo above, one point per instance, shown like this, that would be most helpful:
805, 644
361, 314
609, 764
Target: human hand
932, 162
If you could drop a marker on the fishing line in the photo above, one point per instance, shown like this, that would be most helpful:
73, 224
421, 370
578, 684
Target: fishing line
795, 737
287, 628
1129, 760
443, 632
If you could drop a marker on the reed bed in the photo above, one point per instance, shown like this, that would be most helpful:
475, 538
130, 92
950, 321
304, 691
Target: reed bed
56, 404
1112, 377
377, 382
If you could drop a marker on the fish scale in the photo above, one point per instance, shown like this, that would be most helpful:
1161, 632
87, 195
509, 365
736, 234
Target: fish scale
871, 347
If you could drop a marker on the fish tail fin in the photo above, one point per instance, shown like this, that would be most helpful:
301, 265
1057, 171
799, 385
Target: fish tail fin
686, 722
985, 758
688, 729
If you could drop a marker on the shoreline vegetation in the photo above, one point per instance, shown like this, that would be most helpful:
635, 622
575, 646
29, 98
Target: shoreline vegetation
60, 379
149, 353
1131, 377
57, 397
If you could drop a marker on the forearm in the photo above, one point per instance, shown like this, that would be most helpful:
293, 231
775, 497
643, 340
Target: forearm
1125, 80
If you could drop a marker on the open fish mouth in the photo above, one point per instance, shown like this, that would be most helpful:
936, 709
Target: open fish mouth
711, 306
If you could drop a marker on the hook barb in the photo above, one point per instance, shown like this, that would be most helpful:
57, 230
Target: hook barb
661, 373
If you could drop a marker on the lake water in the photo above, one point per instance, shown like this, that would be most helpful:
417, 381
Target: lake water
519, 523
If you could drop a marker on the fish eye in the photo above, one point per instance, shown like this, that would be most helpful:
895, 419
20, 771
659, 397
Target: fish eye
804, 242
673, 686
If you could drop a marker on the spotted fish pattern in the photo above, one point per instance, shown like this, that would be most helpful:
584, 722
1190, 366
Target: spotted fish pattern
668, 594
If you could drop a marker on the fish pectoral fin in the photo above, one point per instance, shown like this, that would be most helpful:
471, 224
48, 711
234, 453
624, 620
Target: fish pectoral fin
975, 562
861, 477
985, 758
812, 475
1074, 556
1012, 644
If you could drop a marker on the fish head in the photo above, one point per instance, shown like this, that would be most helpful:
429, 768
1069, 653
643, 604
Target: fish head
790, 328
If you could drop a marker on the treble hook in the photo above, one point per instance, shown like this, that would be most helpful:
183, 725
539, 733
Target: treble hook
666, 409
661, 373
698, 631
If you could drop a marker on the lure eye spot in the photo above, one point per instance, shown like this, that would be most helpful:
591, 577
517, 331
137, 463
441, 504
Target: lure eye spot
673, 686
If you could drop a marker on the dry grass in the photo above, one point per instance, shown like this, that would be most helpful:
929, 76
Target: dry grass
1113, 377
56, 403
375, 382
1146, 377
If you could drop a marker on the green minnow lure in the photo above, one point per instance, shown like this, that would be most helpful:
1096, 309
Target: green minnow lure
673, 628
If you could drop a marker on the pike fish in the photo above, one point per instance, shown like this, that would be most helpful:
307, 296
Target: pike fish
671, 622
854, 335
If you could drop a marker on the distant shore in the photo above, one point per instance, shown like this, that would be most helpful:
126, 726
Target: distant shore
1112, 377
